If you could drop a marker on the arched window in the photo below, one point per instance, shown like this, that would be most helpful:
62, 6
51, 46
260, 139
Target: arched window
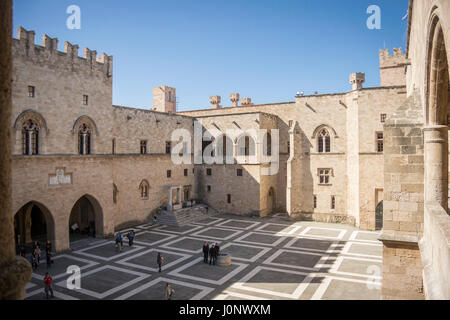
143, 188
324, 141
246, 146
84, 139
267, 147
30, 138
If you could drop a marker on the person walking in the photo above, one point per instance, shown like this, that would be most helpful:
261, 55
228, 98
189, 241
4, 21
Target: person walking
48, 257
37, 253
159, 260
169, 292
130, 237
205, 252
212, 255
217, 248
48, 247
34, 261
48, 280
119, 241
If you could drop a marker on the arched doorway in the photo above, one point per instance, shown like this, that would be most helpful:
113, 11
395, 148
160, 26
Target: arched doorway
86, 219
271, 201
33, 222
379, 216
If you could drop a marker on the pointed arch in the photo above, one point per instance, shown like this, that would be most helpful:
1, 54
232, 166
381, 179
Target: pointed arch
144, 188
84, 119
33, 115
327, 127
437, 73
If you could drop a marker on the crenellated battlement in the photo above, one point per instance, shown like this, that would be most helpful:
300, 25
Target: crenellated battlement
398, 58
25, 46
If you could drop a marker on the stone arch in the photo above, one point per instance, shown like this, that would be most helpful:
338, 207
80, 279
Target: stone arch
437, 73
87, 213
144, 189
85, 129
39, 132
437, 106
29, 226
330, 129
324, 137
84, 119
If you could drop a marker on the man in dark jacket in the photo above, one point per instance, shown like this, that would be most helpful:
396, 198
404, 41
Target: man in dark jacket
205, 252
217, 249
212, 255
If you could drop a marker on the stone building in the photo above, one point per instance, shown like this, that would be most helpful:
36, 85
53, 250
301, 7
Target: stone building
79, 162
416, 232
82, 164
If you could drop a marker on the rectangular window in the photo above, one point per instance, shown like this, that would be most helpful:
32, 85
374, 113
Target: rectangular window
239, 172
333, 202
315, 202
113, 146
379, 141
208, 188
229, 198
324, 176
143, 146
85, 100
170, 96
168, 147
289, 147
208, 172
290, 123
185, 172
169, 173
31, 91
383, 117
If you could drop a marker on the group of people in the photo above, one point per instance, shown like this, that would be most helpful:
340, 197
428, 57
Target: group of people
119, 239
212, 252
36, 254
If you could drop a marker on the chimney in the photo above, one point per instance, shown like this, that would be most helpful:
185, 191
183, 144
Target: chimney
357, 80
215, 102
234, 97
245, 102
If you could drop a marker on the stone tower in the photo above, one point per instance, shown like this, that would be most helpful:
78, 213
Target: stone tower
164, 99
392, 68
357, 80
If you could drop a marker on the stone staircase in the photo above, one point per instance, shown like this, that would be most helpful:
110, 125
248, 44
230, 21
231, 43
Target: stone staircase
184, 216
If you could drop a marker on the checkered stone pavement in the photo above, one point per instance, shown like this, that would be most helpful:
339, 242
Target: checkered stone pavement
272, 258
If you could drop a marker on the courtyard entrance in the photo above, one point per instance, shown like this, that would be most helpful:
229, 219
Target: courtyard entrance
85, 219
33, 222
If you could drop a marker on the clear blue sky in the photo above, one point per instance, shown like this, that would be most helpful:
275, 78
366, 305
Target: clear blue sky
263, 49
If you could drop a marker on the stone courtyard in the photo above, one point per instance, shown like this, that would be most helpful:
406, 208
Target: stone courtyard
272, 258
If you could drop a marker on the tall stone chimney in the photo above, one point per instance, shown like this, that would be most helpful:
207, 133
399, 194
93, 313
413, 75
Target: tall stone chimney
215, 102
357, 80
234, 97
245, 102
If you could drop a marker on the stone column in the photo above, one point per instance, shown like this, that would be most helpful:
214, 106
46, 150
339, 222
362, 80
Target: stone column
15, 272
436, 164
169, 200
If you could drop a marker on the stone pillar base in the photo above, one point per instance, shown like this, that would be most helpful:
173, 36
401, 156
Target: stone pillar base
13, 278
